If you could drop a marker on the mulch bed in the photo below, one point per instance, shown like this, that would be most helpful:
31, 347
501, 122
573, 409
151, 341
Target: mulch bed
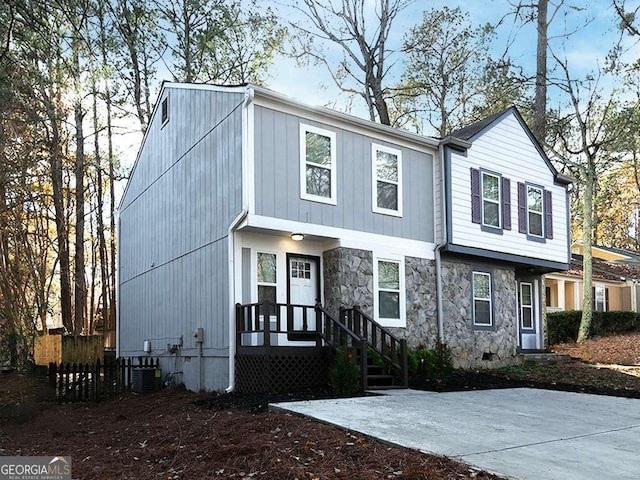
179, 435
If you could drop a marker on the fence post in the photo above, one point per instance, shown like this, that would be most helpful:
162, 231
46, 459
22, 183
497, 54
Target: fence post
62, 379
52, 374
364, 384
266, 320
319, 324
239, 326
86, 381
404, 362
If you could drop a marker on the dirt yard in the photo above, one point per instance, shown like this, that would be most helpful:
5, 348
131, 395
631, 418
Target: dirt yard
174, 434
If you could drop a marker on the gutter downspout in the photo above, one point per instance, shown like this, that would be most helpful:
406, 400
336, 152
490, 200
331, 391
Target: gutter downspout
232, 306
441, 244
248, 98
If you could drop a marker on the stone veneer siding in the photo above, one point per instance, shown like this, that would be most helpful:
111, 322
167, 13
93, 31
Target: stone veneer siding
348, 279
422, 306
468, 344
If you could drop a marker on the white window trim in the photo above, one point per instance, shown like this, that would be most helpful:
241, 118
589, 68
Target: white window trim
541, 213
375, 148
473, 307
390, 322
333, 200
531, 307
497, 202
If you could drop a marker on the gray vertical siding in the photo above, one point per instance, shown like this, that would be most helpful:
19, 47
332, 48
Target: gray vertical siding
180, 201
277, 180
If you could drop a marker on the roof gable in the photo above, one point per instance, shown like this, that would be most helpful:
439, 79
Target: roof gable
474, 131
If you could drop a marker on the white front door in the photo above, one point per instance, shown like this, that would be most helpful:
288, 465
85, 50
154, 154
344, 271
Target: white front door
529, 315
303, 289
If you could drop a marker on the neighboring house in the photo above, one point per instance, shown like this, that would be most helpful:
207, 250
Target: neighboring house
242, 198
616, 281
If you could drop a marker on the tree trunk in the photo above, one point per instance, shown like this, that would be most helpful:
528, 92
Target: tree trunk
587, 223
539, 127
80, 290
62, 235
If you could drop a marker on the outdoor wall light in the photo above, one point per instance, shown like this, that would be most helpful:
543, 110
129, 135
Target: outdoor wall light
297, 237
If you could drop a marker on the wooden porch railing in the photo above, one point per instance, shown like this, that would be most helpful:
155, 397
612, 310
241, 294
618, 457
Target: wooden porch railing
392, 350
298, 322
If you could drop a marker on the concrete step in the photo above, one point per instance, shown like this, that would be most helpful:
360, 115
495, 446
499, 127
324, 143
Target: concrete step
544, 358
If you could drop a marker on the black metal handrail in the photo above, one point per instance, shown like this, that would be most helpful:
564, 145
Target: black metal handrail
392, 350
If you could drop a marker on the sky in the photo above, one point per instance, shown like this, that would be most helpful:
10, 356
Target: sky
593, 23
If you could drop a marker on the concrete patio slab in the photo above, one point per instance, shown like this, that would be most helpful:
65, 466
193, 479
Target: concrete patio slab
521, 433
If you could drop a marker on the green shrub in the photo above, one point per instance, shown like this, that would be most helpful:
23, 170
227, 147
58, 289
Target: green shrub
344, 376
412, 361
563, 326
436, 364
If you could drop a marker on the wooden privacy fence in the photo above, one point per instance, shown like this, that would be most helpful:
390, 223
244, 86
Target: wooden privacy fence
94, 382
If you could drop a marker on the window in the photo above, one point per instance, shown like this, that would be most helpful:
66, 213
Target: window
535, 214
534, 211
482, 308
387, 180
266, 277
300, 269
164, 110
388, 278
600, 298
490, 200
526, 306
318, 164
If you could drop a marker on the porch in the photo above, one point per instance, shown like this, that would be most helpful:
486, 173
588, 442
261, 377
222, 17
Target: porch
295, 347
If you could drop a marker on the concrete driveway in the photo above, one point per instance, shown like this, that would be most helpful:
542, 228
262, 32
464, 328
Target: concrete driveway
520, 433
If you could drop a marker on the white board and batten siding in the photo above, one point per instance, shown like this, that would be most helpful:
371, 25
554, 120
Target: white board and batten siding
185, 190
506, 149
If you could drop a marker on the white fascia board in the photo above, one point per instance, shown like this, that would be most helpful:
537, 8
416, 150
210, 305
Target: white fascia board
381, 244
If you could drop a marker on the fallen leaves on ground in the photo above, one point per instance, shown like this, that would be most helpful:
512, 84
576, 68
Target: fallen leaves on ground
164, 435
622, 349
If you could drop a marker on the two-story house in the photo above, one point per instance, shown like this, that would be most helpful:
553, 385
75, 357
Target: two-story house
244, 205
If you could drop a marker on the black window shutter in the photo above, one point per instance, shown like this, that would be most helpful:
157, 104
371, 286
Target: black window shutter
548, 215
476, 202
506, 203
522, 208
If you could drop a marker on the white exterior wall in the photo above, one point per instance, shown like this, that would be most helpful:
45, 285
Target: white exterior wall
506, 149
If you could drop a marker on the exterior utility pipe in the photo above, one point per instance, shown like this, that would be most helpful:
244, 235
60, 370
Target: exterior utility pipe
248, 98
232, 306
442, 241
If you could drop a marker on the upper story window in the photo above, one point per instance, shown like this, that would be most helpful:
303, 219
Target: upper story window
317, 164
164, 110
387, 180
482, 300
389, 282
490, 200
535, 213
266, 277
